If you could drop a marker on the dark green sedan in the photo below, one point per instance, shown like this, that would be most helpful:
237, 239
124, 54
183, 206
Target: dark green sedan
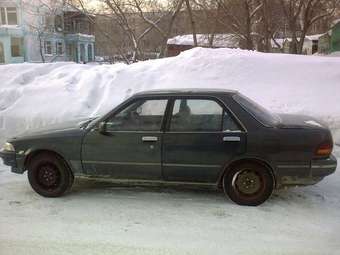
211, 137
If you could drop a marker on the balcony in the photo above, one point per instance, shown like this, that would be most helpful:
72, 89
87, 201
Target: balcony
11, 30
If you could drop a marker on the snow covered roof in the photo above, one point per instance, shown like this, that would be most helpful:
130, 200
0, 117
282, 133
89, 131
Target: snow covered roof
220, 40
69, 8
281, 41
335, 22
314, 37
10, 26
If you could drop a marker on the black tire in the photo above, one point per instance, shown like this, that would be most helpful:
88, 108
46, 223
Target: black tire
248, 184
49, 175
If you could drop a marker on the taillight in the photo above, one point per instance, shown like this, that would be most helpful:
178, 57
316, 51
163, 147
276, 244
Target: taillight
324, 149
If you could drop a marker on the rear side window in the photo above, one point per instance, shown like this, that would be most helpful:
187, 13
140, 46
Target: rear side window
257, 111
200, 115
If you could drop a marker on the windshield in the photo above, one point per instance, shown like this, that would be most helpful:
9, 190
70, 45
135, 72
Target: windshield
260, 113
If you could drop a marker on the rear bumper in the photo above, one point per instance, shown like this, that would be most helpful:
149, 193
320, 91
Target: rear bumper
306, 174
9, 158
323, 167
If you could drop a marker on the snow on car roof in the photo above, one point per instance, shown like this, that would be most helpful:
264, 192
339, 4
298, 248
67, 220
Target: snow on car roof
186, 90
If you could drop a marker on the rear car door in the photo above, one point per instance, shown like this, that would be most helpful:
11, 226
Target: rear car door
131, 146
201, 136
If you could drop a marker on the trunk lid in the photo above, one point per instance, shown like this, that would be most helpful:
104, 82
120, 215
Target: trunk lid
291, 121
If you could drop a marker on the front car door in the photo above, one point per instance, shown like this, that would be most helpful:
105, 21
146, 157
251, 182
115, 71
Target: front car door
201, 136
130, 148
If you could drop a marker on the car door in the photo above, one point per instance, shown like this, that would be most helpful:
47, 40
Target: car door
201, 136
130, 147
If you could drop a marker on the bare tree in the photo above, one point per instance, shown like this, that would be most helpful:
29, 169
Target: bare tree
270, 25
41, 15
210, 10
240, 17
120, 10
169, 14
192, 21
302, 14
80, 6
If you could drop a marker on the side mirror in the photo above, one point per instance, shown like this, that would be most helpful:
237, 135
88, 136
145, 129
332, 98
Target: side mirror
102, 127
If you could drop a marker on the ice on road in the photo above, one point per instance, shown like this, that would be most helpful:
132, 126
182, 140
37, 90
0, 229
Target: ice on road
102, 218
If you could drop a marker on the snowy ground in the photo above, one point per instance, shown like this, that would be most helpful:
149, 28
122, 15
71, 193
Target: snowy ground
98, 218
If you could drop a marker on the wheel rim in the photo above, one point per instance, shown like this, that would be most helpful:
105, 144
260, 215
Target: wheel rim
248, 183
48, 176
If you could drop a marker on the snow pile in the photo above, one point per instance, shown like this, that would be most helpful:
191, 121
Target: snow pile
219, 40
33, 95
334, 54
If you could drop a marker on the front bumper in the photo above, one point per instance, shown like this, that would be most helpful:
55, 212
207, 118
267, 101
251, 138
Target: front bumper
306, 174
10, 159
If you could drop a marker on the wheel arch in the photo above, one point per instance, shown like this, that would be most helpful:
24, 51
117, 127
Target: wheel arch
33, 153
255, 160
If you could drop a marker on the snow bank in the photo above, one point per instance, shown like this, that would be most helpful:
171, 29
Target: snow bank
33, 95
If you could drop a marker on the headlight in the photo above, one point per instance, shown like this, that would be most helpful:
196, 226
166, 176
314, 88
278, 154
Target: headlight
8, 147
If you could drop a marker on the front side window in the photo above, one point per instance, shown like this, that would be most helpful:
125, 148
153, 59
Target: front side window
48, 47
200, 115
142, 115
16, 47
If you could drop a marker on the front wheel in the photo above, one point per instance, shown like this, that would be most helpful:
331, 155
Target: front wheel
49, 175
248, 184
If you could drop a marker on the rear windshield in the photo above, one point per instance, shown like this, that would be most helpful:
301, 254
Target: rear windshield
260, 113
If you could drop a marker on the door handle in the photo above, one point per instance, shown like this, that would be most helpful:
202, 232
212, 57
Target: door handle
149, 138
231, 139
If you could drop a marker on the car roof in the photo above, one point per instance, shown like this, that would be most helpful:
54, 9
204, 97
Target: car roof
198, 91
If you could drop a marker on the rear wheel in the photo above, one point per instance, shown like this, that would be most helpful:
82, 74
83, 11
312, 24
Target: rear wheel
248, 184
49, 175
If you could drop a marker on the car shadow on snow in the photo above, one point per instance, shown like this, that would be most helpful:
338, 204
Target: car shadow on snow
85, 185
289, 196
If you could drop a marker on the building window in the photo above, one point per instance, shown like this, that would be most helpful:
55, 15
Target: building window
58, 21
48, 48
49, 23
16, 47
3, 16
59, 47
12, 18
8, 16
69, 50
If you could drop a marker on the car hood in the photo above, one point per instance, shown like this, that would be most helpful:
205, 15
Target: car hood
300, 121
72, 126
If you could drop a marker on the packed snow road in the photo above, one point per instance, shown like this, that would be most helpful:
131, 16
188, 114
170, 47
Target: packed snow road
102, 218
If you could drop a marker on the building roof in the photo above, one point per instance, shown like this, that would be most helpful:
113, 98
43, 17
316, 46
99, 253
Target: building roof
220, 40
281, 41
